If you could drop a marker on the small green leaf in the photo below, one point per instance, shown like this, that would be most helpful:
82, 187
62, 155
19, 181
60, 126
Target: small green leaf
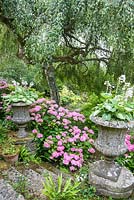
121, 116
106, 117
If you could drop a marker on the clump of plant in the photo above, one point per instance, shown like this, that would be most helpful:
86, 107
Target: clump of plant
3, 89
21, 93
61, 135
117, 104
26, 157
68, 97
60, 191
3, 133
9, 148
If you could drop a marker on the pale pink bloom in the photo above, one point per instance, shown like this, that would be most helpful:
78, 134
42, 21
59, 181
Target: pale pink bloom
80, 150
58, 117
46, 145
52, 112
61, 109
58, 137
73, 149
91, 150
37, 108
72, 168
75, 118
61, 114
71, 140
91, 141
55, 106
131, 147
50, 137
39, 135
85, 128
8, 117
64, 134
41, 100
76, 157
59, 143
74, 162
55, 154
60, 148
34, 131
65, 162
128, 137
83, 138
91, 131
39, 120
66, 127
50, 141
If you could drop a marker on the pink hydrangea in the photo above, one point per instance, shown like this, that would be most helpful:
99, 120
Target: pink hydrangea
55, 154
39, 135
59, 143
60, 148
91, 141
34, 131
8, 117
91, 131
47, 145
50, 137
58, 137
72, 168
91, 150
41, 100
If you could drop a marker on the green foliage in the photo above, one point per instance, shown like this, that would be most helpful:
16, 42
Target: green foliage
127, 160
21, 94
9, 148
3, 133
26, 157
61, 135
68, 97
60, 190
116, 106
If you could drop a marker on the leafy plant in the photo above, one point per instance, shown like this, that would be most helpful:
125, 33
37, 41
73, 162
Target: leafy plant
26, 157
3, 133
8, 148
21, 94
61, 134
60, 190
118, 105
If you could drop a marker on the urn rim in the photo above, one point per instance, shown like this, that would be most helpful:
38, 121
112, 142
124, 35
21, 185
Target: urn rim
113, 123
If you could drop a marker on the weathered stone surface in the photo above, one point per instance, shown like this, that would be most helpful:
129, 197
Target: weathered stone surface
21, 117
122, 188
108, 170
34, 181
8, 193
112, 124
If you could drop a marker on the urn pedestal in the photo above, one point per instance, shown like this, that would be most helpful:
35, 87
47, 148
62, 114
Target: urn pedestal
21, 117
109, 178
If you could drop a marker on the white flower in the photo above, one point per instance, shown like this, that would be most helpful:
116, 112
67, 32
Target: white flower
129, 93
122, 79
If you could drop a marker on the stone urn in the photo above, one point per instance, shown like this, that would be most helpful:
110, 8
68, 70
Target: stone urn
109, 178
21, 117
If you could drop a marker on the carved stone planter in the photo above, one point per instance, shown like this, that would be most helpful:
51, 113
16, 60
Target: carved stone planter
109, 178
21, 117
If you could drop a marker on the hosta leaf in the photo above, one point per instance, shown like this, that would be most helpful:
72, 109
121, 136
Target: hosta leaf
106, 117
121, 116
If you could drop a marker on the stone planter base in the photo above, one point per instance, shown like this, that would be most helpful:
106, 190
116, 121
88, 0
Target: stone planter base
122, 188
